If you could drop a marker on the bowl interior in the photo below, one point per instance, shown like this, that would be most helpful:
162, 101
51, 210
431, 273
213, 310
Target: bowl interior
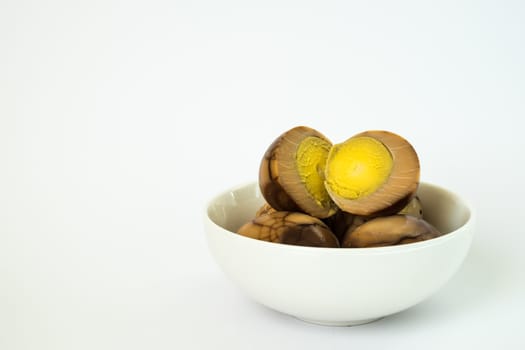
441, 207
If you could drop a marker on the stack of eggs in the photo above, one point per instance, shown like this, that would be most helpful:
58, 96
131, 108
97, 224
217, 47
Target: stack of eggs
359, 193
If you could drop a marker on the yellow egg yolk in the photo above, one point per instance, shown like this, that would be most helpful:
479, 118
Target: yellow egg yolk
311, 157
358, 167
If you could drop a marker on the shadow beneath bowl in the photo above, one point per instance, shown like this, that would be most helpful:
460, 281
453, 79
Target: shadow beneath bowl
485, 275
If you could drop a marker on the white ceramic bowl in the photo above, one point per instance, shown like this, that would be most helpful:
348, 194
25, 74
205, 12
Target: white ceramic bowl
338, 286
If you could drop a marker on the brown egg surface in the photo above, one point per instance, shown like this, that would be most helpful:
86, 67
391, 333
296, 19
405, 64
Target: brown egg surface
390, 230
413, 208
291, 174
290, 228
264, 209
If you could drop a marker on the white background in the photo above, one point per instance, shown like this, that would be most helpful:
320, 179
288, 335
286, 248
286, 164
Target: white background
120, 119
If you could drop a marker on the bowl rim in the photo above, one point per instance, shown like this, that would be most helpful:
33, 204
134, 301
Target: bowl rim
394, 249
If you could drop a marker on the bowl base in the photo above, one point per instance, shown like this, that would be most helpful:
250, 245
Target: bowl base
339, 323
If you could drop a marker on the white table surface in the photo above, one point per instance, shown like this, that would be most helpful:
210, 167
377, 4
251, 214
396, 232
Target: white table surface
120, 119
